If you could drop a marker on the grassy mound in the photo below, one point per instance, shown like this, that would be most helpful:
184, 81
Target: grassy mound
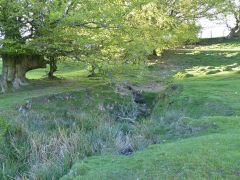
212, 156
200, 143
212, 95
195, 121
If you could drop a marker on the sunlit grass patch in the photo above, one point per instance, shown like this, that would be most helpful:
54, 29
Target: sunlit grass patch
216, 94
220, 44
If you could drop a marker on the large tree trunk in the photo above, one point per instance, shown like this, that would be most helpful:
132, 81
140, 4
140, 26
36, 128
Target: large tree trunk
235, 32
154, 52
93, 68
15, 67
53, 67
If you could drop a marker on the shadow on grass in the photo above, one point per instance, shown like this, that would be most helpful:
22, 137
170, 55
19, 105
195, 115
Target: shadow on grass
213, 41
205, 58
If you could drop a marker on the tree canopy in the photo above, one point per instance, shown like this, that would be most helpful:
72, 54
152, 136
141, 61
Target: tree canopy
93, 32
230, 8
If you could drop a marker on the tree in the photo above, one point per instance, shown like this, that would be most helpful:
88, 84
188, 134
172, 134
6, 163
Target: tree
222, 11
33, 30
231, 8
171, 23
94, 32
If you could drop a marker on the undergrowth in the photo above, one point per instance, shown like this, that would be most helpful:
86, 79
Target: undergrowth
55, 131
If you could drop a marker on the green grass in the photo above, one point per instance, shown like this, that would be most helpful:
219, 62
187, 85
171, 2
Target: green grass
205, 96
54, 114
79, 127
72, 77
219, 43
69, 74
212, 156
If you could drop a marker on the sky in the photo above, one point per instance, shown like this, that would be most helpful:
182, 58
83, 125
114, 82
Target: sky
213, 28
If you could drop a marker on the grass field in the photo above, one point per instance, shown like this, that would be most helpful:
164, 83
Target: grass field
75, 127
214, 155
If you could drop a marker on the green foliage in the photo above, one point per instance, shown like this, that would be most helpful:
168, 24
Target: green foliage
225, 10
60, 122
99, 34
15, 147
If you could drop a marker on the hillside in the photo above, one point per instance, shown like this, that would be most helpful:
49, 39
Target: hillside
213, 155
175, 118
207, 105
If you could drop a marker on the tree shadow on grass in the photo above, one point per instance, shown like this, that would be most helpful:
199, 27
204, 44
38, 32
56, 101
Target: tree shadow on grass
205, 58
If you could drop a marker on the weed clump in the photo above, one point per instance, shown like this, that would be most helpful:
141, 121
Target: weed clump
183, 75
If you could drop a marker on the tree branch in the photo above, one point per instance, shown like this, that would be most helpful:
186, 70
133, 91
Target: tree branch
100, 25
